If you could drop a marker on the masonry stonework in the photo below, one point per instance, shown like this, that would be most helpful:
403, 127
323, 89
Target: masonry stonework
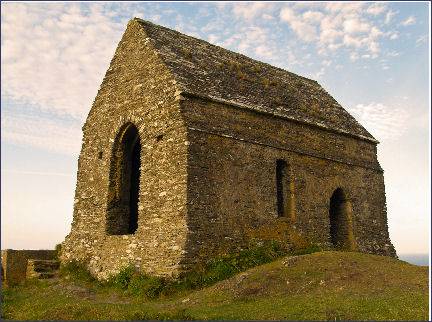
14, 263
208, 128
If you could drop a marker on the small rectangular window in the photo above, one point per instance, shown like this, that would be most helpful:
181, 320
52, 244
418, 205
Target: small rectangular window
281, 169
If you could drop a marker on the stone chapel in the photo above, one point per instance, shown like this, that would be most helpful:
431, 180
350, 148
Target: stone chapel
190, 149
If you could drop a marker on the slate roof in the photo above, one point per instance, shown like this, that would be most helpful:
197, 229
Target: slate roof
213, 72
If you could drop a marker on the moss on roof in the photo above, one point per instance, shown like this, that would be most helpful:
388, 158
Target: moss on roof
210, 71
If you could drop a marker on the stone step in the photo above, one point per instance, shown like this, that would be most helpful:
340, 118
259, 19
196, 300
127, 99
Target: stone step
39, 268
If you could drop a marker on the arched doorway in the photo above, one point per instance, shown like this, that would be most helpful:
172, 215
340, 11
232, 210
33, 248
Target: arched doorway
122, 210
341, 230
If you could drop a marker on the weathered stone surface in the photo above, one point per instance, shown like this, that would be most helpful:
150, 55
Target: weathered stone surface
208, 143
39, 268
14, 263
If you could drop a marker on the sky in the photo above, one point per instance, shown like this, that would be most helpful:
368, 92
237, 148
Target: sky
373, 57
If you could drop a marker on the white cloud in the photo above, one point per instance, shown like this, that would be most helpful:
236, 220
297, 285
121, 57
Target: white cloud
393, 54
326, 62
421, 40
384, 122
376, 9
389, 16
230, 41
394, 35
263, 51
409, 21
303, 30
249, 10
345, 7
156, 18
355, 25
375, 32
354, 56
352, 41
329, 36
333, 47
337, 25
313, 16
252, 41
55, 56
42, 132
287, 15
212, 38
374, 48
319, 74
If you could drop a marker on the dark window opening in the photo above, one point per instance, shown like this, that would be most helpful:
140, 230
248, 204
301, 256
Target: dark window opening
285, 193
134, 192
159, 138
122, 211
281, 168
100, 155
341, 231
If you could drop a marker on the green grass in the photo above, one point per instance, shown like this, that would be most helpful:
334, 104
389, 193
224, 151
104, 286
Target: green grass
318, 286
76, 271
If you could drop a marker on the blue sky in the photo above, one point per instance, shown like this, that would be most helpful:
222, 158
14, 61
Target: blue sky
373, 57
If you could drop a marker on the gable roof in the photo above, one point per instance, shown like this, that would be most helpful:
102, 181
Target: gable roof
215, 73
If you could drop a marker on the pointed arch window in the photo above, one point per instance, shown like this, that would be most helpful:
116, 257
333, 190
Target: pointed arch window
122, 209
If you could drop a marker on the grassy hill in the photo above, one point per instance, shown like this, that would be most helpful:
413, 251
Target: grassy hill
318, 286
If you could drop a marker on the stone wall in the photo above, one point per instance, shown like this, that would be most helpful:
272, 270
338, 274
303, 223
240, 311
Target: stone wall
14, 263
232, 179
137, 88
